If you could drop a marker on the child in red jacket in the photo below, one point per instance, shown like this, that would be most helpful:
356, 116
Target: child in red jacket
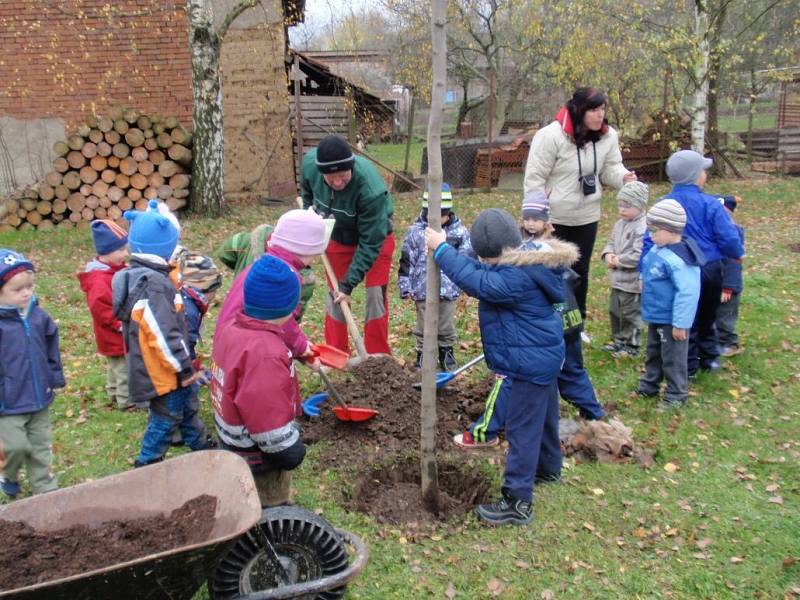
254, 384
111, 244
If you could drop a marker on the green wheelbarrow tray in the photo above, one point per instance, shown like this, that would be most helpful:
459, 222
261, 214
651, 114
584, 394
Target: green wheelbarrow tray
154, 490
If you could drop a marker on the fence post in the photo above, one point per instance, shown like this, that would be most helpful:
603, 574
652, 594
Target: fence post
489, 119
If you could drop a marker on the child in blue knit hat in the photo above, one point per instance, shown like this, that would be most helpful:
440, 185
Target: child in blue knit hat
150, 307
30, 363
111, 245
254, 383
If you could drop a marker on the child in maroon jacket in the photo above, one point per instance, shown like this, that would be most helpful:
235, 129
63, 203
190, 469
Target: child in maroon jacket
254, 383
111, 244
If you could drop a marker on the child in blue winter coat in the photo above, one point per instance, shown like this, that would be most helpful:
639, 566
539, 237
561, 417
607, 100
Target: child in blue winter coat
412, 277
715, 236
523, 342
670, 290
30, 369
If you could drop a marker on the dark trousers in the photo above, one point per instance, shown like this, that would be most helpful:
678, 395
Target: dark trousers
666, 359
727, 317
574, 384
583, 236
529, 413
176, 409
703, 345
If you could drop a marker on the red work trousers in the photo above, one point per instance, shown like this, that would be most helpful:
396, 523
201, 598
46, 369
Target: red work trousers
376, 321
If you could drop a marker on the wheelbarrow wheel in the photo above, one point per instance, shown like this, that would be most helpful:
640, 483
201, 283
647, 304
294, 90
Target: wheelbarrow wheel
307, 546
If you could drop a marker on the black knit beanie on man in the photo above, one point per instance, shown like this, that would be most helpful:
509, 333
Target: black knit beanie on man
493, 231
334, 155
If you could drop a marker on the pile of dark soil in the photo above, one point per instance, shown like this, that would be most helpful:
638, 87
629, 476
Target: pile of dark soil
32, 556
384, 385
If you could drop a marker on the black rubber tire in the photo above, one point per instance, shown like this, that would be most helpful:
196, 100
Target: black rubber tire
307, 545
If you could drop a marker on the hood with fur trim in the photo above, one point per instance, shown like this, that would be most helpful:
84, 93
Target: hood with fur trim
551, 253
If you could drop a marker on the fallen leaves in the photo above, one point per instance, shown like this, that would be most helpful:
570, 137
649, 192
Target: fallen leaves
450, 592
670, 467
775, 500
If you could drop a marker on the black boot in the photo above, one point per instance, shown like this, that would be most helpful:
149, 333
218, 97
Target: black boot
418, 362
447, 360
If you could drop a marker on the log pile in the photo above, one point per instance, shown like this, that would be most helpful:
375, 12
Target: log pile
110, 164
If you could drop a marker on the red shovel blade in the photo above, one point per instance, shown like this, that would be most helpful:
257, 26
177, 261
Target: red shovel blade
331, 356
353, 414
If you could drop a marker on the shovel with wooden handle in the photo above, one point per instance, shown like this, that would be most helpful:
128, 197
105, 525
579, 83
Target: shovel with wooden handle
352, 328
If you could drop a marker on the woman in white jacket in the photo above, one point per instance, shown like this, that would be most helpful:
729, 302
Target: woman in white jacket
570, 159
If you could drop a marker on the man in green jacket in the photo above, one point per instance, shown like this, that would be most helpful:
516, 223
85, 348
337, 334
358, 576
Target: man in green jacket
347, 188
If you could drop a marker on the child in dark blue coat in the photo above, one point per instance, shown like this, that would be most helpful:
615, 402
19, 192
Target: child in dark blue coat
523, 341
732, 286
30, 370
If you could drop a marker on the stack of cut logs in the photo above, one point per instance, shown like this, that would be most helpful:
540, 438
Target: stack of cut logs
109, 165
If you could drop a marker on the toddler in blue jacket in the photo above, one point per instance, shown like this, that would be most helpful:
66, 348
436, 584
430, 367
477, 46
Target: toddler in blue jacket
523, 342
670, 291
30, 367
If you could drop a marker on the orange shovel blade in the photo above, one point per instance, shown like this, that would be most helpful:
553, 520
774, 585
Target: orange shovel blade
331, 356
353, 414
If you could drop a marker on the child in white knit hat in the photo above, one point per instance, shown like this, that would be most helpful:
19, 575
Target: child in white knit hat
621, 255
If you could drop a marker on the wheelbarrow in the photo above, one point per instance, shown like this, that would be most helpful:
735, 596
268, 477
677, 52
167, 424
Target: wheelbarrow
178, 573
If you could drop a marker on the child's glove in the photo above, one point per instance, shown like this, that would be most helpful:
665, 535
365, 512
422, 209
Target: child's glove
205, 377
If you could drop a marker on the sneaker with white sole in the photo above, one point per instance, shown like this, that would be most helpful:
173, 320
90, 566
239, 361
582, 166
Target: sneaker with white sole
506, 511
466, 440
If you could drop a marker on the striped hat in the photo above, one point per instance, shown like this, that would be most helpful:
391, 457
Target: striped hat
536, 205
334, 155
447, 198
635, 194
108, 236
667, 214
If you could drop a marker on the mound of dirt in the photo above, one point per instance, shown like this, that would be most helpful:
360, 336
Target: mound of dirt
33, 556
384, 385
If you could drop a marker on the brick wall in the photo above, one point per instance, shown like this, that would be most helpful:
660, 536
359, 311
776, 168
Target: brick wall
65, 59
258, 139
69, 58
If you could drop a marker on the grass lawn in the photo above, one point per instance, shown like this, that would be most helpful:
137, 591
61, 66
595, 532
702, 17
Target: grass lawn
393, 155
716, 517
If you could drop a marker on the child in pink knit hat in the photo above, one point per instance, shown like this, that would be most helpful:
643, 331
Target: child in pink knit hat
298, 239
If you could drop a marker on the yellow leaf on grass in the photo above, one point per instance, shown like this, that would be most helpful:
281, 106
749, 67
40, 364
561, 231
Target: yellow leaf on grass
522, 564
670, 467
547, 595
598, 491
588, 526
734, 393
775, 500
736, 560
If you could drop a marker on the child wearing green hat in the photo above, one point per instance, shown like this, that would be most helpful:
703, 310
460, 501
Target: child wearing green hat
412, 277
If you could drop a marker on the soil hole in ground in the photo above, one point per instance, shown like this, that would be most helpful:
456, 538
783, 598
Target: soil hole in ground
391, 491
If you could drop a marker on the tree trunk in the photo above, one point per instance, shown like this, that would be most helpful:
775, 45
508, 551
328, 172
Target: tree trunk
208, 155
427, 451
751, 111
714, 69
698, 104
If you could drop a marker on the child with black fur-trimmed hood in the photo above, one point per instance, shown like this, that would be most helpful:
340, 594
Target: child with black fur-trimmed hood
523, 341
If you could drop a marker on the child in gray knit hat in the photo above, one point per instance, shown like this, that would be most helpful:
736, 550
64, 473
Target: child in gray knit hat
670, 290
621, 255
